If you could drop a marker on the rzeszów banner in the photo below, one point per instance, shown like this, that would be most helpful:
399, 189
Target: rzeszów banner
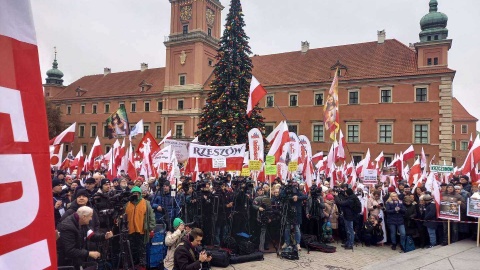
206, 155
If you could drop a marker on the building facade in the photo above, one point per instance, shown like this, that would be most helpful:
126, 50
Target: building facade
390, 95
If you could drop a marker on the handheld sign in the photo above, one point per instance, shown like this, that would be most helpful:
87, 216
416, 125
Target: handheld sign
271, 170
219, 162
254, 165
293, 166
270, 160
245, 172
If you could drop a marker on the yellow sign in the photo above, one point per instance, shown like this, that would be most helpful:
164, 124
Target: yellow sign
293, 166
254, 165
245, 172
271, 170
270, 160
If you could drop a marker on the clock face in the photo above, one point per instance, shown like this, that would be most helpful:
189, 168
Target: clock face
210, 16
186, 13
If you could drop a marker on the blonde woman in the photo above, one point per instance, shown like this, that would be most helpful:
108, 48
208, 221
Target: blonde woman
395, 212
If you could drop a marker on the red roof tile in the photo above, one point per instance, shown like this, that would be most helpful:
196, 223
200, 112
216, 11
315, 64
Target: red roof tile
460, 113
116, 84
363, 60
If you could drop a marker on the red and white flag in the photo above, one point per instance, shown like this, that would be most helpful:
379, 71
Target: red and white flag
415, 173
257, 92
95, 152
423, 160
56, 154
317, 157
131, 171
340, 153
409, 153
168, 136
470, 142
473, 157
26, 214
67, 136
379, 160
66, 164
78, 161
281, 138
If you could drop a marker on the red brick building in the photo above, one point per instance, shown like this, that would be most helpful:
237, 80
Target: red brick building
391, 95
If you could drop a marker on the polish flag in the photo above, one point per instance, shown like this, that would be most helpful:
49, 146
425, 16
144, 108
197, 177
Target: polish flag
280, 140
470, 142
317, 157
274, 132
363, 164
380, 160
257, 92
120, 153
66, 164
473, 157
414, 173
131, 171
168, 136
67, 136
79, 161
340, 153
423, 160
409, 153
95, 152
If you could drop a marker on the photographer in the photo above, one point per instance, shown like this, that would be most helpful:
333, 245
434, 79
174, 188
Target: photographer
186, 257
260, 204
74, 237
164, 205
219, 207
173, 239
294, 198
345, 200
315, 207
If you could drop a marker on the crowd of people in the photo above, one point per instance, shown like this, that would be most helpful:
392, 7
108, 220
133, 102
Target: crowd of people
212, 211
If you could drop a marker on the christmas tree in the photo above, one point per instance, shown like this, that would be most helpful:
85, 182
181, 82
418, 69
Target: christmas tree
224, 120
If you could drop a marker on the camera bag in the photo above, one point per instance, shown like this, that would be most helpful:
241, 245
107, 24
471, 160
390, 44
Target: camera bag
220, 257
256, 256
317, 246
306, 239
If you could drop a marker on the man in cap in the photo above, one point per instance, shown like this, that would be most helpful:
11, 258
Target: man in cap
173, 239
58, 201
141, 221
430, 217
90, 185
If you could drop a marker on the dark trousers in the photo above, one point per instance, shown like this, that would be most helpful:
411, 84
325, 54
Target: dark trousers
137, 247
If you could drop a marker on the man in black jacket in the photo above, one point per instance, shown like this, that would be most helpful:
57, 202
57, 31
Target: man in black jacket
185, 256
430, 217
74, 235
346, 204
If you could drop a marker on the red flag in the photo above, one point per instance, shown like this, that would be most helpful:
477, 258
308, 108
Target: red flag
470, 142
473, 157
26, 214
414, 173
95, 152
257, 92
340, 153
78, 161
380, 160
317, 157
67, 136
147, 140
409, 153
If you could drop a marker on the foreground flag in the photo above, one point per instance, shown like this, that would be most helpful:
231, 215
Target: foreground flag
137, 129
257, 92
330, 110
473, 157
67, 136
409, 153
56, 154
27, 231
278, 141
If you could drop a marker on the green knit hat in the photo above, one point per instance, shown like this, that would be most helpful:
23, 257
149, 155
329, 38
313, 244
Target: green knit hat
177, 222
136, 189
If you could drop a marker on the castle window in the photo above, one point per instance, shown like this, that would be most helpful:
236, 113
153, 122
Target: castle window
429, 61
436, 37
435, 61
185, 29
209, 31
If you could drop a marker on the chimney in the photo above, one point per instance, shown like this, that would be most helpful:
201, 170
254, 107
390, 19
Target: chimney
143, 66
305, 46
381, 36
411, 46
106, 71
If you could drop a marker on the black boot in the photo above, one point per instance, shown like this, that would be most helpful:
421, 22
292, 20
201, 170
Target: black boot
394, 247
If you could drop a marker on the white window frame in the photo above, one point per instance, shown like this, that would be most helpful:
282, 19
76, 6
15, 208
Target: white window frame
145, 105
296, 125
69, 109
454, 145
378, 133
461, 129
428, 131
391, 94
359, 131
315, 98
158, 136
82, 108
273, 101
133, 103
463, 142
175, 130
180, 80
357, 155
354, 90
80, 129
415, 92
105, 107
289, 103
183, 104
95, 105
159, 101
322, 139
91, 130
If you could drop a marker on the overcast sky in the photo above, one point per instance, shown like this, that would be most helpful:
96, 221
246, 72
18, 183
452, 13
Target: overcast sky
121, 34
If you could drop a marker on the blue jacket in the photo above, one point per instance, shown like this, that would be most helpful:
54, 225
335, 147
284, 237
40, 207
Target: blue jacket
395, 217
168, 204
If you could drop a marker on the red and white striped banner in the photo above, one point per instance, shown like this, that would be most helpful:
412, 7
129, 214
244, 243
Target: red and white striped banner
27, 232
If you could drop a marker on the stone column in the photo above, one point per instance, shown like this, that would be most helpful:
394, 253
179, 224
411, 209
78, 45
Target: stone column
445, 119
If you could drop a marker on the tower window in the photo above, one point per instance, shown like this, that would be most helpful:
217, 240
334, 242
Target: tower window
429, 61
185, 29
429, 38
182, 79
210, 62
209, 31
436, 37
435, 61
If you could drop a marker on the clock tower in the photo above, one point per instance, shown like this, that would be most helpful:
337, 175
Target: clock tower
191, 50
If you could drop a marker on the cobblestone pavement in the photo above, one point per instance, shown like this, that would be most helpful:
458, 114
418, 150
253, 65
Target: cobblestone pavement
340, 260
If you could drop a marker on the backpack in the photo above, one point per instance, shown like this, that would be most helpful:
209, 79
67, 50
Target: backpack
357, 205
409, 244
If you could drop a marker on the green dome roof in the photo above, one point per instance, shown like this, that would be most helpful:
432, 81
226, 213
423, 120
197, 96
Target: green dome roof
434, 19
55, 72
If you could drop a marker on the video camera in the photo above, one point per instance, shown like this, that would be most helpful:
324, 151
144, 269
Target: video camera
243, 183
315, 191
288, 191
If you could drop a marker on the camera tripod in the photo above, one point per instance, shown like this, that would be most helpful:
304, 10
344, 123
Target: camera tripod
125, 254
283, 223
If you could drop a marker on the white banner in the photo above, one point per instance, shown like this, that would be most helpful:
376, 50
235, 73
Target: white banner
205, 151
255, 143
219, 162
370, 176
163, 156
180, 147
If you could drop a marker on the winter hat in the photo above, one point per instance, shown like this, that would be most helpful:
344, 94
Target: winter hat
104, 181
82, 192
177, 222
391, 189
329, 197
144, 188
90, 180
427, 198
136, 189
56, 182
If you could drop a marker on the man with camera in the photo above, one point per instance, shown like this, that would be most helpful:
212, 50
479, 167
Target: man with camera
141, 221
345, 200
186, 257
260, 204
74, 238
294, 198
314, 208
